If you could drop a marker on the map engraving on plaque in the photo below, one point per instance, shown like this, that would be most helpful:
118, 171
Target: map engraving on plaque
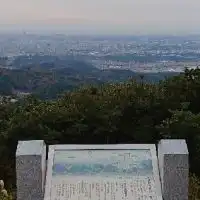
103, 162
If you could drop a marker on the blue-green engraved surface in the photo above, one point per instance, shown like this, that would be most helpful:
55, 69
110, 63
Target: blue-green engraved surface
103, 162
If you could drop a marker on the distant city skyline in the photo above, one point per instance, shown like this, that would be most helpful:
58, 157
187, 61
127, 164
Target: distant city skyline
105, 16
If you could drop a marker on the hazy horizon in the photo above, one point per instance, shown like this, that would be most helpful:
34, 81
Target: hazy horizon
101, 17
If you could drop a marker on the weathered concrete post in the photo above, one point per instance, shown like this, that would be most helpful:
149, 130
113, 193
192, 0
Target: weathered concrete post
174, 169
30, 169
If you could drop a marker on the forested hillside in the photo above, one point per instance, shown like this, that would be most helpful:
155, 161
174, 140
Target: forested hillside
129, 112
49, 76
50, 83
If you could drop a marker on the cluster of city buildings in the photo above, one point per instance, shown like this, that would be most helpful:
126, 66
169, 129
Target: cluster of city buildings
154, 54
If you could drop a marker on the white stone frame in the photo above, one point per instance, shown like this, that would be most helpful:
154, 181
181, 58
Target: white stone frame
151, 147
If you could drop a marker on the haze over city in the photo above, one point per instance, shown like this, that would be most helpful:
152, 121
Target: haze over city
113, 86
105, 16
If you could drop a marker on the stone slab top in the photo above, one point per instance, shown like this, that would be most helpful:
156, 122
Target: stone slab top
102, 146
174, 146
32, 147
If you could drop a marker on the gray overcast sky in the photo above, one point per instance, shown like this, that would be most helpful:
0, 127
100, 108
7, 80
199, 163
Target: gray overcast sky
124, 16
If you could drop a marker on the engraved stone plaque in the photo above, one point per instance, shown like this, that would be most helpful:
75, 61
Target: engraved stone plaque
103, 174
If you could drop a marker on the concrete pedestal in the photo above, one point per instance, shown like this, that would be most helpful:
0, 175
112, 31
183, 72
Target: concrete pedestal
174, 169
30, 169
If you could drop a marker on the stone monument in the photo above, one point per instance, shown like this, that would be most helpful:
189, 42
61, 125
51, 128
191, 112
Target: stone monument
174, 169
30, 170
104, 172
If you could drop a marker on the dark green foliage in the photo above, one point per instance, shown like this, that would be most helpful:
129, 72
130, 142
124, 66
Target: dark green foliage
129, 112
5, 86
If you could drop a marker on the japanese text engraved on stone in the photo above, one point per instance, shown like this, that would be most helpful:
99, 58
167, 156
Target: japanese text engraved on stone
102, 175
